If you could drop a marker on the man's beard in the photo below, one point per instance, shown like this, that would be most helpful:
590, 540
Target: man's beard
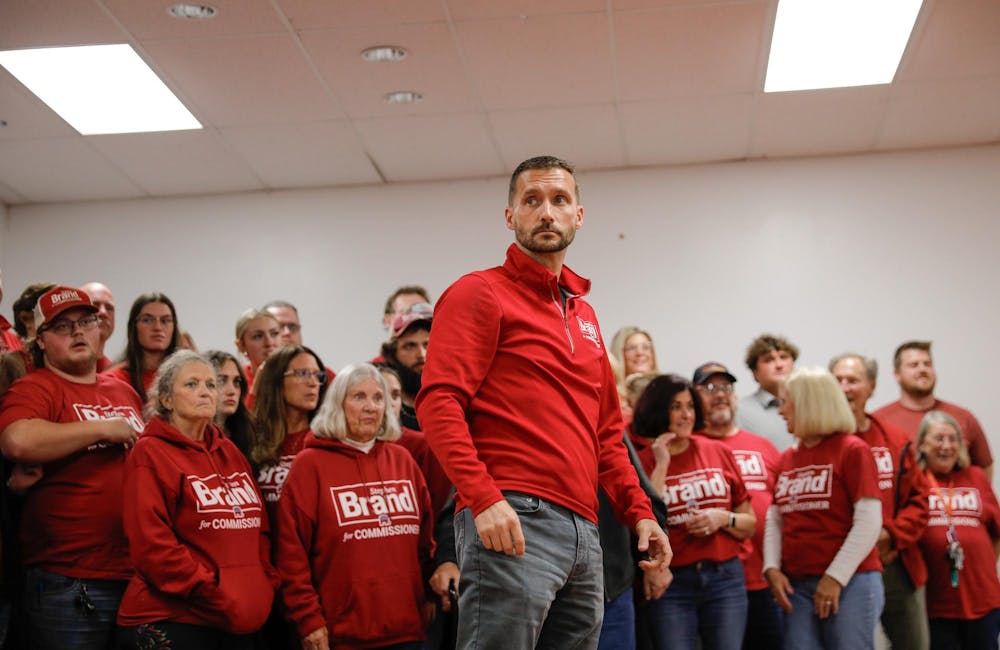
720, 417
914, 390
409, 380
527, 239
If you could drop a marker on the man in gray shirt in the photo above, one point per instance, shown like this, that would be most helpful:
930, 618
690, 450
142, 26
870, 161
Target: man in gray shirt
771, 359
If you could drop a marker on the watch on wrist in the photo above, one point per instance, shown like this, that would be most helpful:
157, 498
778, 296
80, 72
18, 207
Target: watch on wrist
732, 520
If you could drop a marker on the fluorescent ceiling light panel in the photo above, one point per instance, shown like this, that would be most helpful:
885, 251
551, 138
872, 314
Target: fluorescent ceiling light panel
838, 43
100, 88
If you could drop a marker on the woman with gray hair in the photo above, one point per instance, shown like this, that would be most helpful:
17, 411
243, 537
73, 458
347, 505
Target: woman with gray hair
195, 522
960, 542
819, 542
355, 525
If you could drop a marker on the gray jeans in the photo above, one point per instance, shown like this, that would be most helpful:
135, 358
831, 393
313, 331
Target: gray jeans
552, 597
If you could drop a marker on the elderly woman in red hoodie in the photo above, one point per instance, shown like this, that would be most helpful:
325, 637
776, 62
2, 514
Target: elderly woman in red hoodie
355, 526
196, 523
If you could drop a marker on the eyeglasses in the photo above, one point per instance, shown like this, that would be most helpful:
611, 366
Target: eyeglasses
149, 320
65, 326
305, 375
293, 328
712, 389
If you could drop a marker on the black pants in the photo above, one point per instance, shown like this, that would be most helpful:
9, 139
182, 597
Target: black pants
167, 635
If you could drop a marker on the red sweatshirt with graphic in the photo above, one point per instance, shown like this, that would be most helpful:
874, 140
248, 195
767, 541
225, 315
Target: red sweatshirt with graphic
355, 539
518, 393
197, 529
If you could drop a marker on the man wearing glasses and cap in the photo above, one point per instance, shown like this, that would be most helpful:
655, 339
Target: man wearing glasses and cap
77, 424
757, 459
406, 352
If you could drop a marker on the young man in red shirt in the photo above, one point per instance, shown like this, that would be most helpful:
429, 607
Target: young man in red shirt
520, 406
77, 425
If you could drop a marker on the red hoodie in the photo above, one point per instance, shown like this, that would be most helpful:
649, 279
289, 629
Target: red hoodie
197, 530
518, 393
354, 544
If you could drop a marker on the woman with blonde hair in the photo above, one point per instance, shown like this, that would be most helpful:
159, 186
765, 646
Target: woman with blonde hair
355, 526
819, 544
631, 352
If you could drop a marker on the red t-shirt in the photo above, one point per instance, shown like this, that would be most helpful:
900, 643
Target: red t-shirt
909, 421
976, 517
121, 373
72, 518
9, 340
272, 477
704, 475
757, 460
815, 492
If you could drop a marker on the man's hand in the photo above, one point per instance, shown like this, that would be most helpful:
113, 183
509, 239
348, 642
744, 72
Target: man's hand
500, 529
441, 582
654, 542
781, 588
119, 431
317, 640
886, 553
655, 582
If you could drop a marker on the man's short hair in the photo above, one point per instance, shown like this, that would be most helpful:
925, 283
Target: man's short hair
869, 363
278, 304
402, 291
769, 343
26, 303
897, 358
541, 162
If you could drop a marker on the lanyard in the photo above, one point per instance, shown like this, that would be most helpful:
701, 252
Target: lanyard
956, 557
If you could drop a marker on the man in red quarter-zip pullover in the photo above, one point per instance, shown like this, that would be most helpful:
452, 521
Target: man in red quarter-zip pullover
519, 404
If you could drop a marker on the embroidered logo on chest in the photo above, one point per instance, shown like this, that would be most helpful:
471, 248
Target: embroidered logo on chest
375, 503
589, 331
752, 469
964, 502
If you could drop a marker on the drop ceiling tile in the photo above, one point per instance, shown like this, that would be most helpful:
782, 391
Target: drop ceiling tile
705, 50
817, 122
304, 155
49, 23
328, 14
690, 129
431, 67
588, 136
25, 114
960, 39
61, 169
150, 20
943, 113
244, 80
541, 61
431, 147
177, 162
480, 9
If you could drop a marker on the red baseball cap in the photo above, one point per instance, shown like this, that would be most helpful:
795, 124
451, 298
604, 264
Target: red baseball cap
57, 300
417, 313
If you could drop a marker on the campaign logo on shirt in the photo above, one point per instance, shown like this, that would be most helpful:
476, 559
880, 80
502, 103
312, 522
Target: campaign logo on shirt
884, 466
271, 478
752, 469
702, 488
589, 331
804, 488
92, 413
964, 502
380, 502
234, 494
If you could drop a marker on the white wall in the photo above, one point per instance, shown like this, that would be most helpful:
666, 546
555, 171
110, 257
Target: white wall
838, 253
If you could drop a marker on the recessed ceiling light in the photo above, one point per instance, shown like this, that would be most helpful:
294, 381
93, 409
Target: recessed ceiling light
383, 53
99, 88
838, 43
403, 97
192, 12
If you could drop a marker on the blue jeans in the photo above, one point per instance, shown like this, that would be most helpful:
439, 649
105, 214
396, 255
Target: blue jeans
707, 600
765, 621
69, 613
618, 628
552, 597
960, 634
852, 628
